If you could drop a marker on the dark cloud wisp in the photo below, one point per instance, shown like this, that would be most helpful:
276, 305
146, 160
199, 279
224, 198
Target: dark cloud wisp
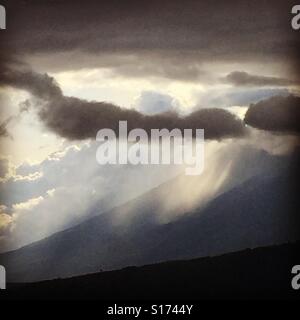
241, 78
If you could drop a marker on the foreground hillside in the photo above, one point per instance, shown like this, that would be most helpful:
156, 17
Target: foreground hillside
258, 273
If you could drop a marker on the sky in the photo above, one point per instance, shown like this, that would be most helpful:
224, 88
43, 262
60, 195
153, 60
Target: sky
68, 69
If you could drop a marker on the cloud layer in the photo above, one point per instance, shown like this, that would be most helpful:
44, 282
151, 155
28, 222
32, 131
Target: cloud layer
278, 114
162, 38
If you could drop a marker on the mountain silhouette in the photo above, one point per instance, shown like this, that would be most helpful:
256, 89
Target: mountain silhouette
261, 211
260, 273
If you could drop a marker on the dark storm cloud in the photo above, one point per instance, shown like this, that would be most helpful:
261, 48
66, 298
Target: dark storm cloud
175, 35
278, 114
241, 78
40, 85
74, 118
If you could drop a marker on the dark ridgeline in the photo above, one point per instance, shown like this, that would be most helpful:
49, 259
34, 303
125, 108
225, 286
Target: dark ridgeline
260, 273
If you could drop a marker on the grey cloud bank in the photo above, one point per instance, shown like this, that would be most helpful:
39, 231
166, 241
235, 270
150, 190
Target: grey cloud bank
77, 119
277, 114
162, 38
